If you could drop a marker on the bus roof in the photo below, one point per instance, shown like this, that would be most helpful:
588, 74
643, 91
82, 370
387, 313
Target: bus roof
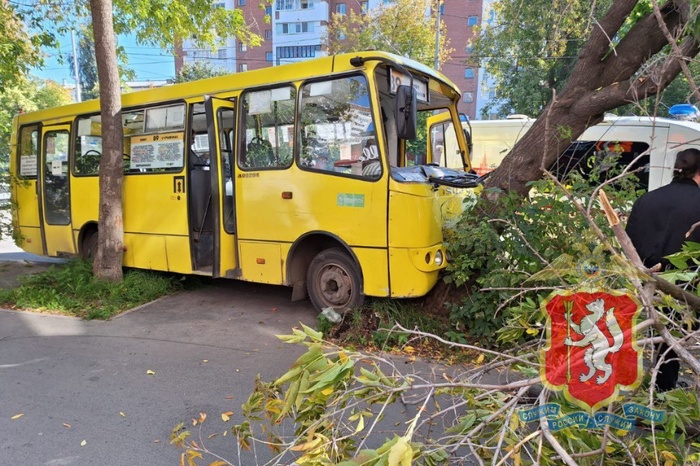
233, 82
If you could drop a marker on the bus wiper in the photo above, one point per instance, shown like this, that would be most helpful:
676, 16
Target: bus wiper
459, 180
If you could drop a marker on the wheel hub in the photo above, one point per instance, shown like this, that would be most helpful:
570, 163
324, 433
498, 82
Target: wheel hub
336, 286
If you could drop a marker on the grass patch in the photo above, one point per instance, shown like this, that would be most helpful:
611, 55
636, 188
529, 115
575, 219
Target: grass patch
71, 289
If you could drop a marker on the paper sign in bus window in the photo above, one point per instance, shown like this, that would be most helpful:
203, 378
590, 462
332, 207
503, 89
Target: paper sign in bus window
56, 168
157, 151
27, 165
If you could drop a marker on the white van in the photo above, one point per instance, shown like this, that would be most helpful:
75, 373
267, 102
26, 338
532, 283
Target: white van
630, 136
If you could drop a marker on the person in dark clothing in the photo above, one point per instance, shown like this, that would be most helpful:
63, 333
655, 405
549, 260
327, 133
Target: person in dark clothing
658, 225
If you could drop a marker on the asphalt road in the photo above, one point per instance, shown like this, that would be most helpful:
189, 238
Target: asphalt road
84, 391
75, 380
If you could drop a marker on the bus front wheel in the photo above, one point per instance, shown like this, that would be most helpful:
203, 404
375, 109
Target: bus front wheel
333, 280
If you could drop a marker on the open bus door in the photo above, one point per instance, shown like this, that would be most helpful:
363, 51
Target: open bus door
221, 119
55, 190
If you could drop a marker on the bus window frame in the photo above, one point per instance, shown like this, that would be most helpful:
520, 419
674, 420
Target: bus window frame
298, 129
74, 144
240, 147
18, 154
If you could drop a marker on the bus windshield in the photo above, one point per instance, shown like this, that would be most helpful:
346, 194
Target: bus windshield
438, 149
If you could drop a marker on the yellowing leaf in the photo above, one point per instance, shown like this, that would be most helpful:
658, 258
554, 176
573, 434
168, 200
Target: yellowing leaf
532, 331
17, 416
150, 372
409, 349
205, 360
400, 454
66, 425
327, 391
226, 416
202, 417
121, 413
360, 425
83, 443
218, 463
668, 456
480, 359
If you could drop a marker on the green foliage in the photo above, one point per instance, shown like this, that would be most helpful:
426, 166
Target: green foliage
164, 23
399, 27
87, 65
197, 70
335, 399
493, 260
72, 289
531, 47
20, 41
25, 96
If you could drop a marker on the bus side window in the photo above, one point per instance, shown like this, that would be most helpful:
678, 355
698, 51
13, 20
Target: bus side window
28, 154
268, 128
88, 146
338, 133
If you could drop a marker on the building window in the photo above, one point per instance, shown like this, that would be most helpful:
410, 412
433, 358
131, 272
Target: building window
472, 21
242, 47
268, 10
295, 28
297, 51
241, 2
243, 67
295, 4
340, 8
469, 73
219, 5
268, 34
268, 56
222, 54
364, 7
492, 94
468, 97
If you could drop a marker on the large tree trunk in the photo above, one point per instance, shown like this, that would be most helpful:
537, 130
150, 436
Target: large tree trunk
110, 246
603, 79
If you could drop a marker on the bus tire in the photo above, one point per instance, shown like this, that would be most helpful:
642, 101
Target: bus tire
333, 280
89, 247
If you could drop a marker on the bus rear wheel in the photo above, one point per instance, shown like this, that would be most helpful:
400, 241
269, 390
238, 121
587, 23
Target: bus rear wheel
333, 280
89, 247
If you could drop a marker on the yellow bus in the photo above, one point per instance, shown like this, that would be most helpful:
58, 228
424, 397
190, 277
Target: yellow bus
298, 175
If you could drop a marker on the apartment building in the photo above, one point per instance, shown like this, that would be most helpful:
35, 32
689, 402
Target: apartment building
297, 28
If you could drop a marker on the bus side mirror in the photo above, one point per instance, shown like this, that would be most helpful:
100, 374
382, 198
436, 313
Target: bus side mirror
406, 112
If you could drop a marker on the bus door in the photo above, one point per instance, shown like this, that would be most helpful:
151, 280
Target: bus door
334, 188
55, 190
26, 189
220, 130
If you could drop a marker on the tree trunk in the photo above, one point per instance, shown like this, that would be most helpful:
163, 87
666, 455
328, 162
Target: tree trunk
110, 245
604, 78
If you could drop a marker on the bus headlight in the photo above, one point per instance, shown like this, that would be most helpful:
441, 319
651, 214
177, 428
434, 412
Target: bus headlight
438, 258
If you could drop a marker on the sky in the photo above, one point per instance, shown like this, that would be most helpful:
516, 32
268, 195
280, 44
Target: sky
148, 63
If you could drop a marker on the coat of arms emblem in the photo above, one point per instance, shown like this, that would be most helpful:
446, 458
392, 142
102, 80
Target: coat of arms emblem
591, 350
